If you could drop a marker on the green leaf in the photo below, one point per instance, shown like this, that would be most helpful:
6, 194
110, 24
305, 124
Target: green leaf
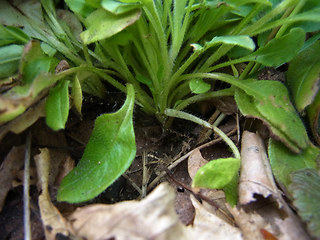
240, 40
284, 162
37, 66
270, 102
15, 101
231, 191
280, 50
32, 51
94, 3
10, 34
117, 7
76, 94
102, 24
47, 49
9, 59
80, 6
305, 189
303, 76
57, 106
313, 111
216, 174
108, 154
199, 86
247, 107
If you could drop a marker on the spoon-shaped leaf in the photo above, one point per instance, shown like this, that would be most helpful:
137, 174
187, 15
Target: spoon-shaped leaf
108, 154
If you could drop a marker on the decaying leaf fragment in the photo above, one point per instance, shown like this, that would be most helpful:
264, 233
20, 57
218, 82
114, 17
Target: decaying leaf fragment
262, 205
54, 223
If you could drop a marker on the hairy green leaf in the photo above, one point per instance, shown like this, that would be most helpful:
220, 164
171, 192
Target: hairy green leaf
247, 107
313, 111
303, 76
284, 162
217, 173
57, 106
305, 189
220, 174
240, 40
280, 50
108, 154
271, 103
199, 86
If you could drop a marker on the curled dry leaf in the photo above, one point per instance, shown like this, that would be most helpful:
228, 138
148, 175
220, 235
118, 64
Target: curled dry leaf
262, 205
53, 222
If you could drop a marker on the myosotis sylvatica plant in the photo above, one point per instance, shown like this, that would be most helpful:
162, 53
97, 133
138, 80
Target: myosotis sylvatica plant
166, 55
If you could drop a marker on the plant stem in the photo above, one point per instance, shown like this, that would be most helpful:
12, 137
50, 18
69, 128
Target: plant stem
201, 97
192, 118
86, 55
225, 78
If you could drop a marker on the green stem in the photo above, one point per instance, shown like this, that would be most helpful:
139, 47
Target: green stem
190, 117
225, 78
205, 96
246, 70
296, 10
86, 55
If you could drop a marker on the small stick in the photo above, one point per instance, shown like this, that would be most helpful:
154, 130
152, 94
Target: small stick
26, 185
145, 175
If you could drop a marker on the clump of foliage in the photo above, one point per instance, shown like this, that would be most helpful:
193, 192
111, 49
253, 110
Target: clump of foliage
170, 54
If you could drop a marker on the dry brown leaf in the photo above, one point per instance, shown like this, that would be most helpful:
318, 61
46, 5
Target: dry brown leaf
53, 222
152, 218
8, 170
209, 226
195, 161
263, 206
